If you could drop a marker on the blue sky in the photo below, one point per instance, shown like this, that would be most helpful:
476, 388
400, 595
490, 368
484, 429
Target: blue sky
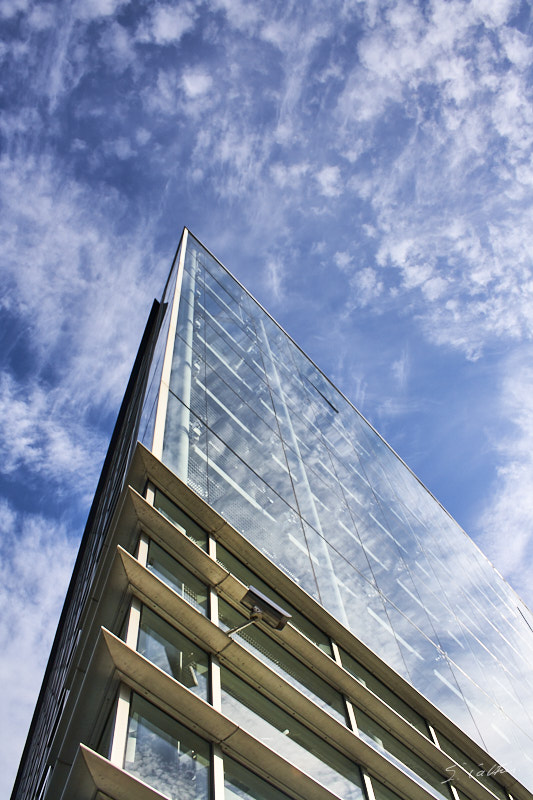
364, 168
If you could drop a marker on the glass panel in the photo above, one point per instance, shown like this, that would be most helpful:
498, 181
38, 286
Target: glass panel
147, 422
166, 755
239, 782
178, 517
481, 772
273, 654
382, 792
249, 578
384, 693
279, 731
172, 652
267, 440
104, 745
376, 736
177, 577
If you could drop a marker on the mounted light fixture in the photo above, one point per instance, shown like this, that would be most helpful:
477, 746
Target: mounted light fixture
262, 608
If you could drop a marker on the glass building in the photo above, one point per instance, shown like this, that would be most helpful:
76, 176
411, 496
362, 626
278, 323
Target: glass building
405, 668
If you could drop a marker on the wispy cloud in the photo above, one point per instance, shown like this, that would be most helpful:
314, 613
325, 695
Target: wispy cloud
42, 437
167, 23
505, 526
329, 181
365, 166
36, 560
61, 252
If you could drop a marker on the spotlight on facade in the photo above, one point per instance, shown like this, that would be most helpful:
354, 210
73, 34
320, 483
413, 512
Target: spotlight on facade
262, 608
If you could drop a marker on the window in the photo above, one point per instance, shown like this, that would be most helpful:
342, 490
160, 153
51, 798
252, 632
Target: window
165, 754
273, 654
382, 792
378, 688
279, 731
178, 517
174, 653
175, 575
249, 578
376, 736
241, 784
482, 772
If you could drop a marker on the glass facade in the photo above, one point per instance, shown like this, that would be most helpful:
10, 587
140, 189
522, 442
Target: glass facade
282, 723
254, 427
194, 699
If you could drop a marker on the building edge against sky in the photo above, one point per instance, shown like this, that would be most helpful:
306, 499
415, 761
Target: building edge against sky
232, 407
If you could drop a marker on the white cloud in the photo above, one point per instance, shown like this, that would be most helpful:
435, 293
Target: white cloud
434, 288
366, 285
494, 12
466, 271
517, 47
35, 566
9, 8
505, 526
121, 147
94, 9
62, 254
401, 368
274, 274
242, 15
169, 23
39, 433
163, 97
41, 17
75, 287
289, 176
342, 260
196, 82
329, 181
117, 46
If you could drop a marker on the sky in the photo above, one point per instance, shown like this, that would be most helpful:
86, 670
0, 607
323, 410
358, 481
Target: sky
364, 168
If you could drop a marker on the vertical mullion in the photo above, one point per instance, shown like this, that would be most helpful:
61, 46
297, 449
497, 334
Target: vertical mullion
149, 493
162, 401
120, 728
348, 705
142, 550
216, 697
132, 633
367, 781
217, 773
217, 767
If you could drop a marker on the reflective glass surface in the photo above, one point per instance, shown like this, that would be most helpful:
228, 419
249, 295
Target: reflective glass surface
383, 692
165, 754
285, 735
174, 653
259, 432
382, 792
400, 755
186, 525
177, 577
484, 773
281, 661
241, 784
147, 421
249, 578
